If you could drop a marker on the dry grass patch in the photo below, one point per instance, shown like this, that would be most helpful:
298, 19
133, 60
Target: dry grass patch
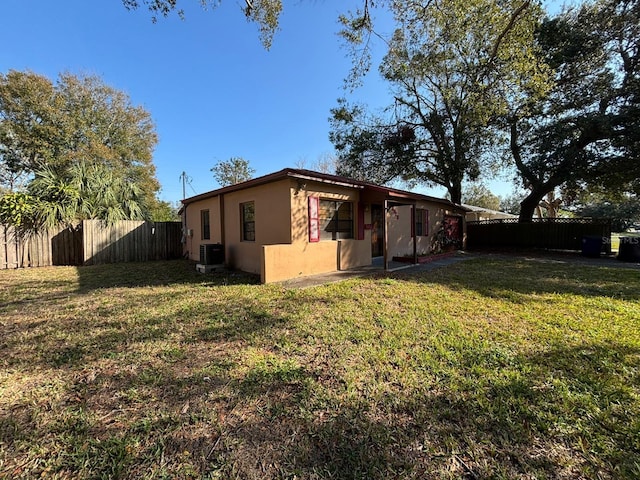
487, 369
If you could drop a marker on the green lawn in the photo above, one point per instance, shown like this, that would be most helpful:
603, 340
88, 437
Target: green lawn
490, 368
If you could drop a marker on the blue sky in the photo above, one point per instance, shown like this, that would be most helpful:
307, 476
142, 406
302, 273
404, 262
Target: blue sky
212, 89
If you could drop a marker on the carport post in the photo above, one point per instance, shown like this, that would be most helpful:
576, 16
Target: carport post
413, 231
384, 235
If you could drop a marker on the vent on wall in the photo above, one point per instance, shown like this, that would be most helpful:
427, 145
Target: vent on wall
212, 254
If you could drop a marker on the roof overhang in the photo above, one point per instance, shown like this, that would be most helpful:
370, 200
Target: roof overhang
371, 191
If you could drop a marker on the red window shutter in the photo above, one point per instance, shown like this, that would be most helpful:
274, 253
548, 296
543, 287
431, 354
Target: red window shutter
314, 222
360, 221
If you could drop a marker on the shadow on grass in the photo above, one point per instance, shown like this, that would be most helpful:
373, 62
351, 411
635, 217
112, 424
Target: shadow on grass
566, 413
220, 399
158, 273
236, 324
121, 275
516, 279
77, 341
569, 412
131, 404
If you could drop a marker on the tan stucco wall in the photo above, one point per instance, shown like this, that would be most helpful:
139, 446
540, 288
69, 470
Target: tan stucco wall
193, 242
354, 253
283, 262
302, 258
300, 204
400, 242
281, 249
273, 223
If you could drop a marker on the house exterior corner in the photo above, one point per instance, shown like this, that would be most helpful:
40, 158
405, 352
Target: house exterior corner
295, 223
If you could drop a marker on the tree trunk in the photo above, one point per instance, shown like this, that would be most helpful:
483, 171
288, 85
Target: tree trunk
529, 204
455, 192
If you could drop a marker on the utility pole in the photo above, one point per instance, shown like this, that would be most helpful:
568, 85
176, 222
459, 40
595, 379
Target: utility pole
184, 178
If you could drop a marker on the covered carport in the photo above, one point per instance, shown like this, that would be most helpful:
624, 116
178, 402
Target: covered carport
388, 199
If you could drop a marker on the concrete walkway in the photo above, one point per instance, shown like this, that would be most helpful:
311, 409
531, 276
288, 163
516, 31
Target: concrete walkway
376, 268
460, 256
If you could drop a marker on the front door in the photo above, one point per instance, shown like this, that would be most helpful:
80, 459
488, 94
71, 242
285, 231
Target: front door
377, 231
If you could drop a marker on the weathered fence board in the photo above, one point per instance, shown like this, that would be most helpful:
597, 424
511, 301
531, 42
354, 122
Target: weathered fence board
92, 242
8, 249
59, 246
131, 241
546, 233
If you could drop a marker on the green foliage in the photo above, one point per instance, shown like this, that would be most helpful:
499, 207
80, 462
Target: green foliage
480, 196
28, 119
585, 130
623, 210
159, 7
451, 67
86, 150
78, 119
19, 210
12, 180
86, 191
163, 211
265, 13
511, 203
367, 148
232, 171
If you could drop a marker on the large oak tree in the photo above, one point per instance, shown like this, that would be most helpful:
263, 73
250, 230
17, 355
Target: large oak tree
585, 132
77, 124
453, 66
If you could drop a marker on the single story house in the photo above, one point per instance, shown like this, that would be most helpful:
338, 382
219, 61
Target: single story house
294, 223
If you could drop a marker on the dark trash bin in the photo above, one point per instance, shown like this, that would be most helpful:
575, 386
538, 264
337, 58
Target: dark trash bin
629, 249
591, 245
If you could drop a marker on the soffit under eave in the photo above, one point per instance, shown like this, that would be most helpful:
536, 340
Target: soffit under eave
394, 198
378, 195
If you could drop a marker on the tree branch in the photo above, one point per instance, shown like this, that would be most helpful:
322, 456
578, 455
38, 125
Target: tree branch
507, 28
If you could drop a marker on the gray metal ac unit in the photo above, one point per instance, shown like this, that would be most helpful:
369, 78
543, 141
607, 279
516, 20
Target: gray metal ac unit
212, 254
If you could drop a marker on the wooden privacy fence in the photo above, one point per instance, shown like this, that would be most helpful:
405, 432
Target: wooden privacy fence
130, 241
92, 242
58, 246
547, 233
